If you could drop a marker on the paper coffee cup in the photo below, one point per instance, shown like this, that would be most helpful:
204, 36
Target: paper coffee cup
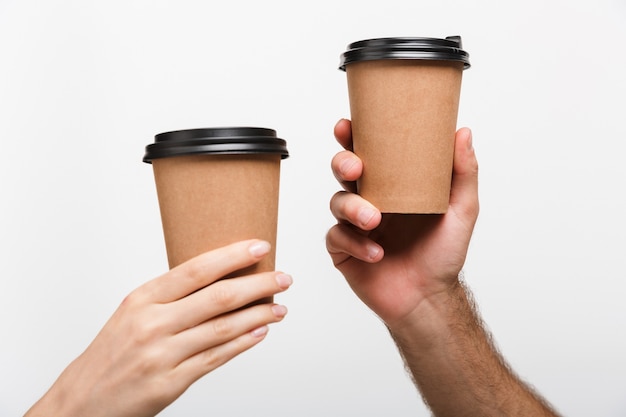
404, 99
217, 186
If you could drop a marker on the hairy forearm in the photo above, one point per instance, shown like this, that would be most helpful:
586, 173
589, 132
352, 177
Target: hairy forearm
455, 364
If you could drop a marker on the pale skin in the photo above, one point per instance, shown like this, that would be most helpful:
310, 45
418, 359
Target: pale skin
167, 334
407, 269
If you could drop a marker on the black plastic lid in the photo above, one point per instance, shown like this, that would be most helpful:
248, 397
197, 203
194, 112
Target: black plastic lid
218, 140
448, 49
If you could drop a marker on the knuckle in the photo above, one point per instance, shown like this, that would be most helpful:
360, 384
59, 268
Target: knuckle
338, 203
332, 237
137, 298
131, 299
473, 167
329, 236
151, 361
223, 294
161, 391
222, 327
145, 330
194, 271
337, 196
210, 359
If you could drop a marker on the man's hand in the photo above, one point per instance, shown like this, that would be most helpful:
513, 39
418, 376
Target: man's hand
394, 261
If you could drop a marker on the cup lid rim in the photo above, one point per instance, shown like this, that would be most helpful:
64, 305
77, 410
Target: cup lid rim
419, 48
216, 140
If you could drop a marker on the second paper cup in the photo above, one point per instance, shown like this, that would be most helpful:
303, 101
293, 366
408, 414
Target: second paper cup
404, 99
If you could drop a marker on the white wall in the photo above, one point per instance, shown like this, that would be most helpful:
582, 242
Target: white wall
85, 85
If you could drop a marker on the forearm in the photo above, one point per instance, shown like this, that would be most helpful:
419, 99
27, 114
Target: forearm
66, 397
52, 403
455, 365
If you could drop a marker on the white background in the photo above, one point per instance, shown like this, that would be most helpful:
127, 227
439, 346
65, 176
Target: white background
85, 85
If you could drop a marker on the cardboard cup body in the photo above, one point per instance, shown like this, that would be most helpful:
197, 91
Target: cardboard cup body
404, 115
217, 186
209, 201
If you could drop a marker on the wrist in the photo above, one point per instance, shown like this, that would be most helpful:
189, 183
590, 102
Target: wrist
62, 399
48, 405
454, 363
434, 314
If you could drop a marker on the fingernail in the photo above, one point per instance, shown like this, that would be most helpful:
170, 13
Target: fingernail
346, 165
372, 251
364, 215
470, 145
259, 249
261, 331
284, 281
279, 311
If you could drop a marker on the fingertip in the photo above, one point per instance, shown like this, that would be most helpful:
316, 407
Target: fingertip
259, 248
375, 253
368, 217
283, 280
464, 155
347, 166
342, 124
343, 133
279, 311
260, 332
464, 137
464, 190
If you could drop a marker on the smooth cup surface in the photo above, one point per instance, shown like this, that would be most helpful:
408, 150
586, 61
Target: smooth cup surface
404, 112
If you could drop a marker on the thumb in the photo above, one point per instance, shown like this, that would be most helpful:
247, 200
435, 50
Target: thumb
464, 191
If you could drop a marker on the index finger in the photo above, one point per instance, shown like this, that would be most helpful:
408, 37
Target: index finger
203, 270
343, 133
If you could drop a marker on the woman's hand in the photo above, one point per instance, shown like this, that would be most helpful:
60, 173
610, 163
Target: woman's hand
167, 334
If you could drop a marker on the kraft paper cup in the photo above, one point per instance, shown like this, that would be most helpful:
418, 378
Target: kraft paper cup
404, 99
217, 186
